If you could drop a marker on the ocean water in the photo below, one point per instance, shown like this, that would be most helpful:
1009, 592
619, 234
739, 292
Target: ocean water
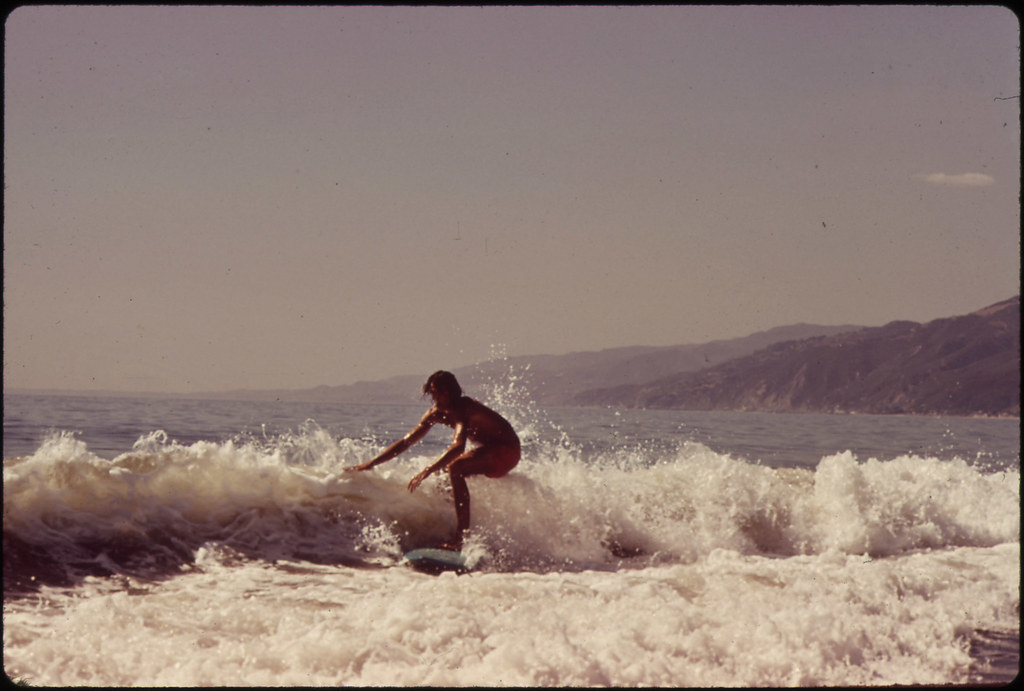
181, 542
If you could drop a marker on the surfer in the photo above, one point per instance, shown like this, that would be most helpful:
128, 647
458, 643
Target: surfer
495, 452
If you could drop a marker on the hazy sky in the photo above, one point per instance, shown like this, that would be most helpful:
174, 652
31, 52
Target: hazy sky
206, 198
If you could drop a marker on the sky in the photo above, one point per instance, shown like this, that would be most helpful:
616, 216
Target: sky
208, 198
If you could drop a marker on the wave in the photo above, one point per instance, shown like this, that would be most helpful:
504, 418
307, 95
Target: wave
149, 512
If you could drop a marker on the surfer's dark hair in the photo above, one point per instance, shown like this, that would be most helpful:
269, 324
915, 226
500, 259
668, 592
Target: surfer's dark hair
443, 381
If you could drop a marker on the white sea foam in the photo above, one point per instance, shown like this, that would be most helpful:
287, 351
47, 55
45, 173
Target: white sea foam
694, 569
728, 619
555, 511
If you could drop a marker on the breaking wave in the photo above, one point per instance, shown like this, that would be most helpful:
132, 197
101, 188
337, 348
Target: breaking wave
69, 513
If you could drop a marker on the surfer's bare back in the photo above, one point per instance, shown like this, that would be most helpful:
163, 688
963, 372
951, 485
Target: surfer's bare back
495, 453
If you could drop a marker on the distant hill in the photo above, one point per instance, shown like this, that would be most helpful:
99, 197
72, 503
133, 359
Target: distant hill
555, 379
559, 379
967, 365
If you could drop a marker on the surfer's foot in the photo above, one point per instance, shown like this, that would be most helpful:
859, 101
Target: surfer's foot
455, 544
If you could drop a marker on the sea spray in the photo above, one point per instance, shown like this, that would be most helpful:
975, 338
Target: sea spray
149, 509
728, 619
627, 548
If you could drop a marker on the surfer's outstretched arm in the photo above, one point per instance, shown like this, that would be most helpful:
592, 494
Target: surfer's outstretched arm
400, 446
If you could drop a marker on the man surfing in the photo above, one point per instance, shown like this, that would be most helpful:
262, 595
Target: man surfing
496, 448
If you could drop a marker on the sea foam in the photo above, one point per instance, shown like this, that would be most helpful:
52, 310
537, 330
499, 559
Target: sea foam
69, 511
261, 561
728, 619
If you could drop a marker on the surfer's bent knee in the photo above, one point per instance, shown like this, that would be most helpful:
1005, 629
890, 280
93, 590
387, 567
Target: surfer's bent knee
492, 460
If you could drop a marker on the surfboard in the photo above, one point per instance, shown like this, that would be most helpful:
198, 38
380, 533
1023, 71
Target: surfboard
434, 560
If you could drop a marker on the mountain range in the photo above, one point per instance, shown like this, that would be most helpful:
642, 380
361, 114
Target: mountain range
964, 365
555, 379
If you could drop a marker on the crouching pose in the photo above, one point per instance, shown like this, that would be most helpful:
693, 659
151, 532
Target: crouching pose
495, 444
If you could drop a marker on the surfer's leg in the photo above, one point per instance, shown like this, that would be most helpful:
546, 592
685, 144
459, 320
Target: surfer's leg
460, 492
492, 461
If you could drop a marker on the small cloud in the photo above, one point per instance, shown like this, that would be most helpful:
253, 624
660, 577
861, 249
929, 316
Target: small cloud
959, 180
